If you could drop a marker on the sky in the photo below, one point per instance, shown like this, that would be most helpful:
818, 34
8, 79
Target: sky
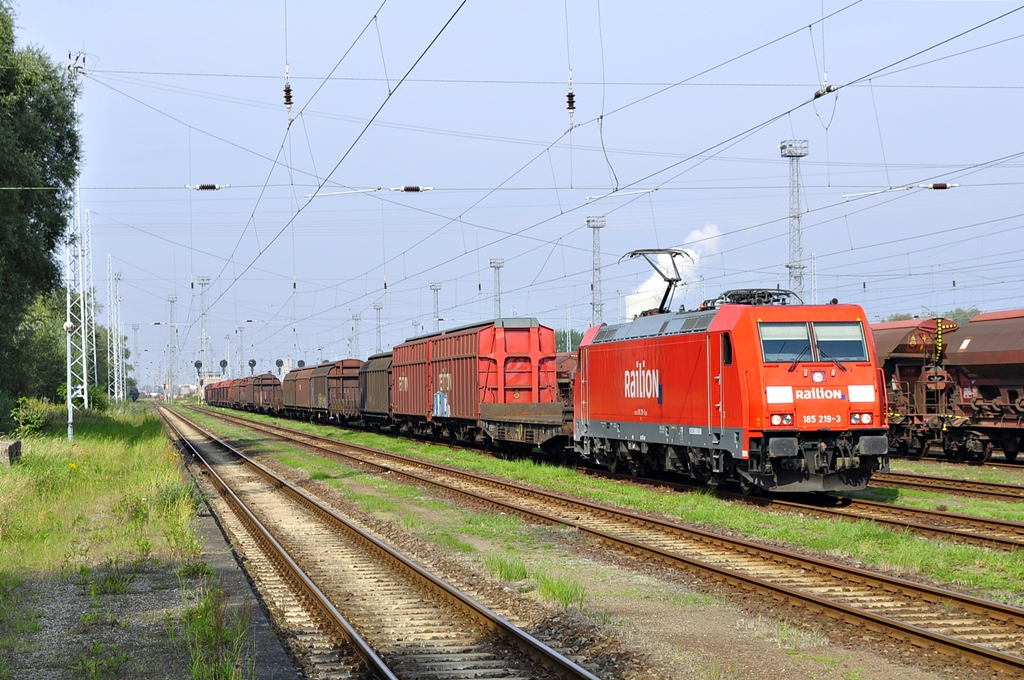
680, 108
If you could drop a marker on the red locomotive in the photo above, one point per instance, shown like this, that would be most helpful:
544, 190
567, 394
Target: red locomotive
780, 397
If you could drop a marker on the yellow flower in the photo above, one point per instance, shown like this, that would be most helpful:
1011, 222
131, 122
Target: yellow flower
72, 466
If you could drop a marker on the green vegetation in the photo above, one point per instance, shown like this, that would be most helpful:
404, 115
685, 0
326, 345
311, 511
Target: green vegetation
506, 567
96, 513
565, 590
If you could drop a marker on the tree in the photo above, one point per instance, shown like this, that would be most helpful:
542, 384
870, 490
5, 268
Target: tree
39, 148
900, 317
961, 315
574, 341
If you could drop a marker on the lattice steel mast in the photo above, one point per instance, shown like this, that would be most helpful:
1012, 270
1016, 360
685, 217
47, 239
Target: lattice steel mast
115, 340
172, 351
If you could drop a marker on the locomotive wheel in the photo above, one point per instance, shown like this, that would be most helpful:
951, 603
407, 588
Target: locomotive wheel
748, 488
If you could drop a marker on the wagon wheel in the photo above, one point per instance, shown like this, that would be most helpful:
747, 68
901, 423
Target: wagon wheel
985, 455
957, 452
919, 451
1010, 455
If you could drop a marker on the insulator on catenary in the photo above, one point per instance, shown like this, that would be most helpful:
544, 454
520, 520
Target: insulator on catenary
570, 101
287, 95
411, 189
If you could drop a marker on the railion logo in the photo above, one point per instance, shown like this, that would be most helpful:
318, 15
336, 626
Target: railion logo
642, 383
819, 393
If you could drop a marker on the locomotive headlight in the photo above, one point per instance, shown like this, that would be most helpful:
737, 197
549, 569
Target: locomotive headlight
776, 419
787, 419
818, 376
865, 419
855, 418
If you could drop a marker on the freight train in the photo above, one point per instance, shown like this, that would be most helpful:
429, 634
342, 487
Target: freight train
776, 397
957, 388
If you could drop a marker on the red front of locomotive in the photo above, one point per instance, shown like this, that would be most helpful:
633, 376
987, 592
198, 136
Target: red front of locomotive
783, 398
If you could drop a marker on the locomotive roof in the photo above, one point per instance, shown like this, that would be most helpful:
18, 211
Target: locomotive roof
659, 324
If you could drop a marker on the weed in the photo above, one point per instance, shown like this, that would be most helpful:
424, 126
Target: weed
506, 568
446, 540
99, 661
566, 590
194, 569
115, 581
216, 637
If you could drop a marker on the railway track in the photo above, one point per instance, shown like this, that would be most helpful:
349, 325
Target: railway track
957, 625
958, 487
989, 533
339, 582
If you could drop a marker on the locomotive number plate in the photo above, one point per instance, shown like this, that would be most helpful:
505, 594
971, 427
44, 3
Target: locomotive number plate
823, 419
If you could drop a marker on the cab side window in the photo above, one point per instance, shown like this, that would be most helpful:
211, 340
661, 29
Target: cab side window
726, 349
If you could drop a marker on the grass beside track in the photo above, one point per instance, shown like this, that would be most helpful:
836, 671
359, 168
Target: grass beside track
993, 574
95, 513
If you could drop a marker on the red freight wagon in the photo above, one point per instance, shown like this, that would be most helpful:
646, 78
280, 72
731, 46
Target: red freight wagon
245, 393
781, 397
495, 378
911, 353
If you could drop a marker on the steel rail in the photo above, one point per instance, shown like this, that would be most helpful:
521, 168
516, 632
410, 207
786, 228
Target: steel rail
283, 561
900, 630
540, 652
957, 487
1002, 534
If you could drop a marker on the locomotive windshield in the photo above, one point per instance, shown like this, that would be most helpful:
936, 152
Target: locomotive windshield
841, 341
833, 341
785, 341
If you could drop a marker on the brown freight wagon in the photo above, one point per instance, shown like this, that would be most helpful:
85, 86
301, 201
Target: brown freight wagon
266, 393
487, 381
375, 391
342, 382
245, 401
297, 392
988, 361
918, 387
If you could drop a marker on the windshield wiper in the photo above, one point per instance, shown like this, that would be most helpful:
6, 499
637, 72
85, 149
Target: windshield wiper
800, 356
831, 358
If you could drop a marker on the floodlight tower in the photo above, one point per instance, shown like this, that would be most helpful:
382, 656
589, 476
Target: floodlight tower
227, 354
596, 223
204, 340
437, 314
377, 306
794, 150
172, 351
496, 265
241, 350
